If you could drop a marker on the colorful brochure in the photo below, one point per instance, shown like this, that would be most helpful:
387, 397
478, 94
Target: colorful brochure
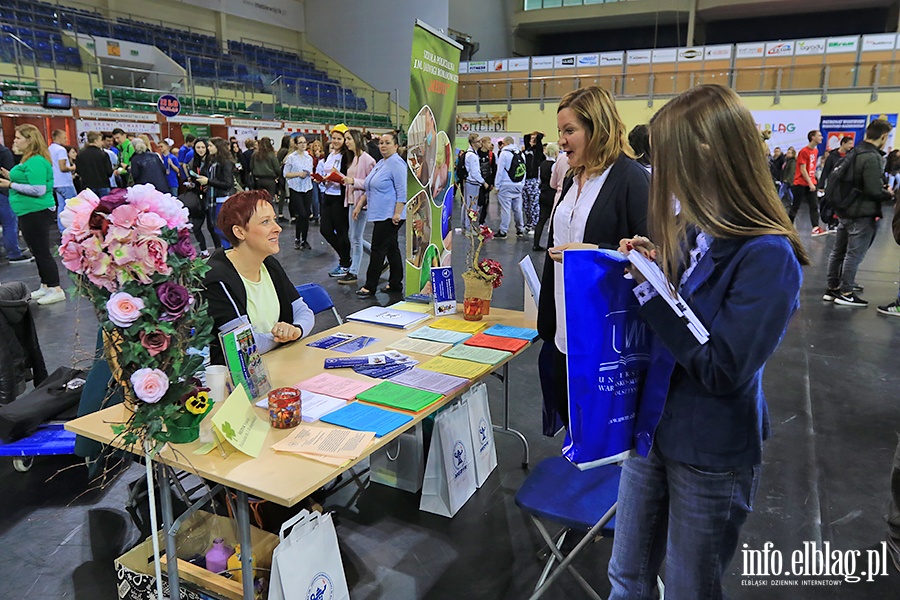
497, 343
389, 317
365, 417
430, 381
456, 367
523, 333
459, 325
399, 396
417, 346
444, 336
334, 385
244, 361
443, 290
487, 356
237, 422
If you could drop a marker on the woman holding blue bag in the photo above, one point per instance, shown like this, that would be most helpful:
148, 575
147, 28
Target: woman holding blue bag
724, 241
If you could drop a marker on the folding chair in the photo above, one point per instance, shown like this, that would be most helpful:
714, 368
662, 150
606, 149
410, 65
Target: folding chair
580, 501
317, 299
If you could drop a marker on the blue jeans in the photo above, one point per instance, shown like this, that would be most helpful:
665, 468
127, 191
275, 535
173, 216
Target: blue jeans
217, 206
10, 229
62, 194
357, 228
851, 243
101, 192
173, 190
688, 516
510, 198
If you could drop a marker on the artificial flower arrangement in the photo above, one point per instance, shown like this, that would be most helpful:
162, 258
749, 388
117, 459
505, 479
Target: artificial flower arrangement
131, 255
483, 275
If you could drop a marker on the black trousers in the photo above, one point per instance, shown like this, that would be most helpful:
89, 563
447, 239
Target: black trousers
301, 207
543, 217
385, 244
484, 198
35, 228
802, 194
335, 227
268, 184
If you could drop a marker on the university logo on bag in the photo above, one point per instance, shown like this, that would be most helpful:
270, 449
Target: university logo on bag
460, 464
482, 435
321, 588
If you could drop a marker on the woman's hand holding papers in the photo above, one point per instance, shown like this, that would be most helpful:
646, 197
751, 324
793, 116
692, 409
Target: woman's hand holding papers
639, 244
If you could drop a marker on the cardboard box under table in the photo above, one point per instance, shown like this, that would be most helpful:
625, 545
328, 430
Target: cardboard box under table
283, 478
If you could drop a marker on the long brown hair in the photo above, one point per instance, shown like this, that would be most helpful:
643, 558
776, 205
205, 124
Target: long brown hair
707, 155
37, 145
359, 145
264, 148
596, 110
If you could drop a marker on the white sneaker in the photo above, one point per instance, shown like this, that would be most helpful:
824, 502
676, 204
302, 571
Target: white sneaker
52, 297
40, 292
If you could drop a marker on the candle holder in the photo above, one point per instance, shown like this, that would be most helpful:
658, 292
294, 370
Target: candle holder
284, 408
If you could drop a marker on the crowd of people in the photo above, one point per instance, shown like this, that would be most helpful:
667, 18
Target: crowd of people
37, 179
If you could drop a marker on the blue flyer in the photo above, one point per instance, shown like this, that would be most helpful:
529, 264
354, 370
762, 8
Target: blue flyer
444, 291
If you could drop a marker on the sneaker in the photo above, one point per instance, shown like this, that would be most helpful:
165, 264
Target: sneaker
304, 245
851, 299
338, 271
501, 235
52, 297
347, 279
858, 289
40, 292
298, 245
25, 258
204, 254
520, 233
830, 295
892, 309
817, 231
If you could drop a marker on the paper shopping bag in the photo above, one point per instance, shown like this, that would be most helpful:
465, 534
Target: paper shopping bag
401, 463
449, 472
479, 412
307, 562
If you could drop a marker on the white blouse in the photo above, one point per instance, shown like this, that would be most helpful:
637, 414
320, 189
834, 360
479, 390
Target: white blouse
569, 221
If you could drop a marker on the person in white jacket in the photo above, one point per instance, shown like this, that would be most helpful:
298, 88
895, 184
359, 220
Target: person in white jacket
509, 193
474, 180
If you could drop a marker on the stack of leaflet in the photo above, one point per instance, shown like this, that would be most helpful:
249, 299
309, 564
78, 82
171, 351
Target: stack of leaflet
496, 342
442, 336
521, 333
400, 397
420, 346
380, 365
487, 356
459, 325
430, 381
325, 444
333, 385
389, 317
365, 417
653, 274
456, 367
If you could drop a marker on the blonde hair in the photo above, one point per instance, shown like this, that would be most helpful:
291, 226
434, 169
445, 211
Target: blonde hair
596, 111
473, 137
552, 150
706, 153
139, 145
37, 145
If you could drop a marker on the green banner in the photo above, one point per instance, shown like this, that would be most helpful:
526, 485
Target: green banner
199, 131
434, 78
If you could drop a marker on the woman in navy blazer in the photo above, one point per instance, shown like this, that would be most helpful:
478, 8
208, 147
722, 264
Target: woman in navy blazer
730, 249
603, 199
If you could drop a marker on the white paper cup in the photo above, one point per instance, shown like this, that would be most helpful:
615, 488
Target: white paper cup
216, 376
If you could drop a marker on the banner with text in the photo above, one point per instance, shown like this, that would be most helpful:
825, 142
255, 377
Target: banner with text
434, 78
788, 127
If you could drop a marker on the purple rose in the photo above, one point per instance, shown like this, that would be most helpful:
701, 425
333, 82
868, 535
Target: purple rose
183, 247
175, 299
114, 199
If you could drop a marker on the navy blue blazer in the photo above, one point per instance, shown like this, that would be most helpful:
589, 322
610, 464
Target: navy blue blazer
745, 291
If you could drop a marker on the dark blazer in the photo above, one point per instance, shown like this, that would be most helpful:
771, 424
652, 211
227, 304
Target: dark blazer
147, 167
744, 290
219, 307
620, 211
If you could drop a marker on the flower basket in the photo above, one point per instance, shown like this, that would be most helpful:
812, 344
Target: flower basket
478, 292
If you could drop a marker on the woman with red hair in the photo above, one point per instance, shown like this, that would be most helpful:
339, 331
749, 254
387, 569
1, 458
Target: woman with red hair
247, 282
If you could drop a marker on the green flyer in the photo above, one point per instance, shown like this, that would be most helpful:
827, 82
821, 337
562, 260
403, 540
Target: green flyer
434, 77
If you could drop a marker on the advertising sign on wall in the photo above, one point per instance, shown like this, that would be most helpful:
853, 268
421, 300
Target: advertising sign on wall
430, 155
542, 62
835, 128
518, 64
82, 126
788, 127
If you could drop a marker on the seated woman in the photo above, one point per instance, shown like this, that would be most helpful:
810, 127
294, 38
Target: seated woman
247, 281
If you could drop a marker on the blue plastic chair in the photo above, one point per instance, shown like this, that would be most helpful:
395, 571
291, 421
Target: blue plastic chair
318, 300
580, 501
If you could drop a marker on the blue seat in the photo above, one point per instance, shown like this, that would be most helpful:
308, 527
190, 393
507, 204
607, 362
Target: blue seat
317, 299
580, 501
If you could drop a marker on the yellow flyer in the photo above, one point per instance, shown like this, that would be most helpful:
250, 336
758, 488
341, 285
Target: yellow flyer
237, 422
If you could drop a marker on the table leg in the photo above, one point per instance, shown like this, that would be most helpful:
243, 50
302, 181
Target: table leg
242, 510
505, 428
165, 494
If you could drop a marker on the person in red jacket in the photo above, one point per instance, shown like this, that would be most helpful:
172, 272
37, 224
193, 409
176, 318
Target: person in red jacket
804, 188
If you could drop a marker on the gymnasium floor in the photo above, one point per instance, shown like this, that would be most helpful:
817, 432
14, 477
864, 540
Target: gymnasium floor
832, 392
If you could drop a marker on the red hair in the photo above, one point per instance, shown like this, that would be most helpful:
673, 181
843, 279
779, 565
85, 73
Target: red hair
238, 210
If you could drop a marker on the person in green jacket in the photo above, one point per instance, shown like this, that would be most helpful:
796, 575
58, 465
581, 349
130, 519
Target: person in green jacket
30, 185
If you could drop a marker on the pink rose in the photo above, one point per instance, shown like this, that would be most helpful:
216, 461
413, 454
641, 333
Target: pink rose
149, 224
71, 252
151, 254
124, 309
155, 342
124, 216
79, 208
150, 385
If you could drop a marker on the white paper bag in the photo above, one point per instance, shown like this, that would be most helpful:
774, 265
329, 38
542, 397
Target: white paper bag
401, 463
450, 470
307, 562
476, 400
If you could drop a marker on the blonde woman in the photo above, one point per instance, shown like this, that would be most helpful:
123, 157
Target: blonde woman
728, 246
30, 188
604, 198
